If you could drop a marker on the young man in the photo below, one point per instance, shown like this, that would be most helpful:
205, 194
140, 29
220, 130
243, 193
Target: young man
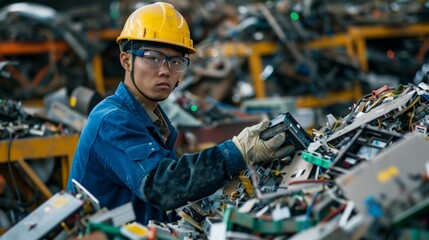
126, 150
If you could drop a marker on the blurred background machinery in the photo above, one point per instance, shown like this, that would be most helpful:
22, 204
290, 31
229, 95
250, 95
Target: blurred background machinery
327, 63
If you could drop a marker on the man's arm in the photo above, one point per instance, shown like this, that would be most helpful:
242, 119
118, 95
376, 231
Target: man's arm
192, 177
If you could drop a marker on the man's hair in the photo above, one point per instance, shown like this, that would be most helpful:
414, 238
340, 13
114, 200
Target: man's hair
134, 44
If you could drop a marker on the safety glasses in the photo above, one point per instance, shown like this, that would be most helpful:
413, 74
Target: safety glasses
157, 59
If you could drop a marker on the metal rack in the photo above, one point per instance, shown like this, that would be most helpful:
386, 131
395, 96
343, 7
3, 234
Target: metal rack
19, 150
353, 41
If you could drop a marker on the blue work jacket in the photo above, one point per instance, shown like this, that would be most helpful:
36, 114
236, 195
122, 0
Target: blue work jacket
122, 158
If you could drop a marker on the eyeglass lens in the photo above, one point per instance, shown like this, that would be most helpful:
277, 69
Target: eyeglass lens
158, 59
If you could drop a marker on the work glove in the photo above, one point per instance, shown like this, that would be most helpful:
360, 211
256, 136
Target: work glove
256, 150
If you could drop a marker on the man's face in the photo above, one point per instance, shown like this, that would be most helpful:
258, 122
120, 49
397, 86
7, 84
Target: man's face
156, 83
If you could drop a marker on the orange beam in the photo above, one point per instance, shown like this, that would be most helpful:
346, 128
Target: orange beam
254, 53
105, 34
360, 34
41, 147
332, 97
97, 63
243, 49
334, 41
383, 31
24, 48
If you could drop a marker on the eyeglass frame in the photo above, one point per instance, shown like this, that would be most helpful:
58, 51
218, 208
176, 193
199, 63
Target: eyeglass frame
141, 53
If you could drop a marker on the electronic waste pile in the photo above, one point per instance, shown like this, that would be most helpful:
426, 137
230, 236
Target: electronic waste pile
362, 176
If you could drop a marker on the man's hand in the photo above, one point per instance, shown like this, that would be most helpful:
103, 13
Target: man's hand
255, 150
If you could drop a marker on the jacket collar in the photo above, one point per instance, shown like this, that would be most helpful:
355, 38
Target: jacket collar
131, 102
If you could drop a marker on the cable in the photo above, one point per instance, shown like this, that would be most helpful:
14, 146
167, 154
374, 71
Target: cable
334, 197
407, 108
334, 213
308, 211
410, 127
379, 100
412, 104
359, 101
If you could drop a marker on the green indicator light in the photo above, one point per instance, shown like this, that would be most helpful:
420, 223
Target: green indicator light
294, 16
194, 108
115, 14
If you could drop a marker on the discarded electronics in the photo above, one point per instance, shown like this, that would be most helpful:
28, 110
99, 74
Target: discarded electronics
362, 175
67, 215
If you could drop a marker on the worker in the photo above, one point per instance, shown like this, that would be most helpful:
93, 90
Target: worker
126, 150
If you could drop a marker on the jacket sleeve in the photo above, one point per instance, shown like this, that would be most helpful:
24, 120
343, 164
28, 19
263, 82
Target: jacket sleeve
191, 177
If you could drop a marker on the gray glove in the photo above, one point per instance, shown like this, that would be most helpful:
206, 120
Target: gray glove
256, 150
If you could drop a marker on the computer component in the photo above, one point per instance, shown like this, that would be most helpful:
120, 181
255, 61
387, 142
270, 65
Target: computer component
297, 170
363, 147
115, 217
392, 187
135, 231
195, 212
295, 134
84, 194
46, 218
384, 110
354, 228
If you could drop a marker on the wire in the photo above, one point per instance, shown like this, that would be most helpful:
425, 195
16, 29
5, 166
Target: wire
412, 104
232, 196
407, 108
336, 124
359, 101
308, 211
333, 213
410, 126
334, 197
379, 123
318, 132
379, 100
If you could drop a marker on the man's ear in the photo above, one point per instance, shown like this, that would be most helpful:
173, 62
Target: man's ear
125, 60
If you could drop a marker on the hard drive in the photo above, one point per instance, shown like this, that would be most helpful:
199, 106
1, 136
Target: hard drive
295, 134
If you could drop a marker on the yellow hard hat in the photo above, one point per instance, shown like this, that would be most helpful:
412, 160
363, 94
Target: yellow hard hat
158, 22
